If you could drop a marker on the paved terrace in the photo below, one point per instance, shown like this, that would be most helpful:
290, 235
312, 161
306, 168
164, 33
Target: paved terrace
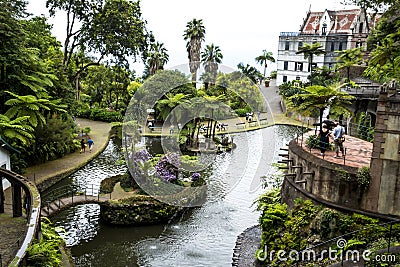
358, 152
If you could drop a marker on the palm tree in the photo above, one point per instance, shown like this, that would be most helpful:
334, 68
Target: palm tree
309, 51
157, 57
318, 97
194, 35
349, 58
251, 72
211, 57
264, 58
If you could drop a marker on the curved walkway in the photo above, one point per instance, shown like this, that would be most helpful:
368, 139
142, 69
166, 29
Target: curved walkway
66, 165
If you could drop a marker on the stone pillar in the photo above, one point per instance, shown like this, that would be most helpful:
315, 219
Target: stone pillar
17, 200
384, 192
2, 197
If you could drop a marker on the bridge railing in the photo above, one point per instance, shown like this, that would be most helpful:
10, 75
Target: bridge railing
71, 192
364, 90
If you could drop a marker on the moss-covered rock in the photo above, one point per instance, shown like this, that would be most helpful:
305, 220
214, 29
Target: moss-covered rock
137, 210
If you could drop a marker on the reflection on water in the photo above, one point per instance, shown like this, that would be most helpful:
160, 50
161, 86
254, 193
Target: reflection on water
205, 236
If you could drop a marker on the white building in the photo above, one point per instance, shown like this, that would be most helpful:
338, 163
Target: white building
5, 163
334, 30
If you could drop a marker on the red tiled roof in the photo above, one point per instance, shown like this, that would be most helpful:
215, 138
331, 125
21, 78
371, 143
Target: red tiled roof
342, 20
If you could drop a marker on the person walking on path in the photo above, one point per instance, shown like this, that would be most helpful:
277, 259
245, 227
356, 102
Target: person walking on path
324, 139
90, 143
83, 146
338, 139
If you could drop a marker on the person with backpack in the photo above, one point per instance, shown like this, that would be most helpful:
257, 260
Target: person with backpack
338, 139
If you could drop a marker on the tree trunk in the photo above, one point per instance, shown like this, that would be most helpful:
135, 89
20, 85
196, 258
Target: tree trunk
77, 87
215, 126
321, 113
208, 132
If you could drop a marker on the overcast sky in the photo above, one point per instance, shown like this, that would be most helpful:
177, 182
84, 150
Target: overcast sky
242, 29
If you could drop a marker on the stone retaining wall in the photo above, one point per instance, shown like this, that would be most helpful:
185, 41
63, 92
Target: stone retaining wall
326, 180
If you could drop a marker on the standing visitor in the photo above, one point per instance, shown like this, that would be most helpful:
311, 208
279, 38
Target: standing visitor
83, 146
324, 139
90, 143
338, 139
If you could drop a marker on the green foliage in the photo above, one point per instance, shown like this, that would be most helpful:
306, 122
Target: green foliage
211, 57
250, 72
53, 140
364, 176
323, 76
306, 224
99, 114
273, 74
365, 127
343, 175
264, 58
383, 41
312, 141
194, 35
241, 112
46, 253
291, 88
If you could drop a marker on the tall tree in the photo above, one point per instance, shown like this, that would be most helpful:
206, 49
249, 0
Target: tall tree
194, 35
157, 57
211, 57
264, 59
309, 51
349, 58
318, 98
108, 29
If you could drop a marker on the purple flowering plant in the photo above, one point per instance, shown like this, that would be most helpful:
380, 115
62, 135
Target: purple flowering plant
168, 166
195, 176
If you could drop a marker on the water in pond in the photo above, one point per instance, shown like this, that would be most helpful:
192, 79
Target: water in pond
205, 236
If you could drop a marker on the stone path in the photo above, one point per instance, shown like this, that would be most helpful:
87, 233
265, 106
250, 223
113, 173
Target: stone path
99, 133
12, 230
358, 152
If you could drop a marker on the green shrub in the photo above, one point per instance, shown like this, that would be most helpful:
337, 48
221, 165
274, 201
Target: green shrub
241, 112
99, 114
312, 141
364, 176
47, 251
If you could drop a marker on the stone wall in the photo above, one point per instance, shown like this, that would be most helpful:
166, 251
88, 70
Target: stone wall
139, 210
325, 180
384, 193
